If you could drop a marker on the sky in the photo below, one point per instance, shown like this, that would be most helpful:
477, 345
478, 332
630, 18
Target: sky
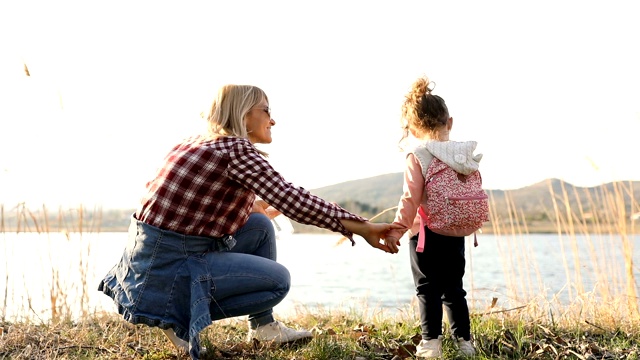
548, 89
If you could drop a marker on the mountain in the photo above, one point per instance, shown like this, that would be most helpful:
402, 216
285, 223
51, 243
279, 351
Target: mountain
533, 204
538, 207
381, 190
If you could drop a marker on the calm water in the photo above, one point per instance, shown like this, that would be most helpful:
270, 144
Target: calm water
325, 274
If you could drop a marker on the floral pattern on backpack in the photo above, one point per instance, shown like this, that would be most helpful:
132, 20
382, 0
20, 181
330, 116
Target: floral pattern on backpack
456, 205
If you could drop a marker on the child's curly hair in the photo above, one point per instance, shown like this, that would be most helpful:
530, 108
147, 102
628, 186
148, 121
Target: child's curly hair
422, 111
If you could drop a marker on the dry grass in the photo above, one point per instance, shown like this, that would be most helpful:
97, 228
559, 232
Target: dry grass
601, 322
338, 335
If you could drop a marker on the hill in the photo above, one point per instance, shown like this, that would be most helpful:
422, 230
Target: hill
382, 190
536, 206
533, 204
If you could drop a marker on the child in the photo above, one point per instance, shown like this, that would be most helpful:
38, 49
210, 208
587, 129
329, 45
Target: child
438, 270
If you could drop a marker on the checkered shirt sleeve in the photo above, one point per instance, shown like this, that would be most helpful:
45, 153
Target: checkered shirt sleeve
254, 172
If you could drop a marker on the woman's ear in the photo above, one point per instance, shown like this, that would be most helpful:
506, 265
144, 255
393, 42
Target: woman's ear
449, 123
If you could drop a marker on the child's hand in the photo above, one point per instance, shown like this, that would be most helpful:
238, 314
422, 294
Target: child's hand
392, 243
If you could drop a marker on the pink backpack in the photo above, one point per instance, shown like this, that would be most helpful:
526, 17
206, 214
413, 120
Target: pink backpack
457, 205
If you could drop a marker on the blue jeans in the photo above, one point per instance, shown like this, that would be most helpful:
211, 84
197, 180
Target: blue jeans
183, 282
247, 278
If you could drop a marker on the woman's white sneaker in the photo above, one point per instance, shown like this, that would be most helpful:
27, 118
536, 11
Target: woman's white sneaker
180, 344
278, 333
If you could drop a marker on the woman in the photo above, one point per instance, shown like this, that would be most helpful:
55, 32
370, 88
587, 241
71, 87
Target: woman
200, 245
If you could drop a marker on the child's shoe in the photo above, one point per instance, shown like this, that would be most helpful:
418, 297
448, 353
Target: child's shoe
278, 333
430, 349
465, 347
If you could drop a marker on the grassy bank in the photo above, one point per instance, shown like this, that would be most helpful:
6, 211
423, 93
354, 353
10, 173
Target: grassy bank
498, 335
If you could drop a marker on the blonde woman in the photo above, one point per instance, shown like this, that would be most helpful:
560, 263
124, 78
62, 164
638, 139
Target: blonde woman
201, 246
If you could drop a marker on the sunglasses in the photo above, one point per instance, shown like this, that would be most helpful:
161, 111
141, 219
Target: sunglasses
267, 110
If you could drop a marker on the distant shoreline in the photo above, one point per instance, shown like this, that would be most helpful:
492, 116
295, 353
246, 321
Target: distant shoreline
539, 228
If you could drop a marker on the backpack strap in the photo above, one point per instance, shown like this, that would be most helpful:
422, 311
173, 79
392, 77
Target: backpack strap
424, 157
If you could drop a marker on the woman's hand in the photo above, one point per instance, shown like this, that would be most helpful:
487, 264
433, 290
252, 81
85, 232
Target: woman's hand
261, 206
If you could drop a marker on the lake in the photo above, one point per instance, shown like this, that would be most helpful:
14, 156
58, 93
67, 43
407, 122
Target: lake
326, 273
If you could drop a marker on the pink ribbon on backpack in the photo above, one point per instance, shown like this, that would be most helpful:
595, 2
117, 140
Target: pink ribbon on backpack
421, 235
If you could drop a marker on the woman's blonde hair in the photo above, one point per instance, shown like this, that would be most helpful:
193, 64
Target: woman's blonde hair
231, 105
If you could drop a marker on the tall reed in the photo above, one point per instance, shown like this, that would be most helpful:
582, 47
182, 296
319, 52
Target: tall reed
63, 294
599, 220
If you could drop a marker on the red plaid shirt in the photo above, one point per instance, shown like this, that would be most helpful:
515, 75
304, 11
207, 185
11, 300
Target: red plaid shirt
207, 188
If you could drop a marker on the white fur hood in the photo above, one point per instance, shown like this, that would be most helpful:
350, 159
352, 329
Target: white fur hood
457, 154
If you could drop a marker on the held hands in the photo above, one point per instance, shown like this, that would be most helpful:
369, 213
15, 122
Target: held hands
379, 231
373, 232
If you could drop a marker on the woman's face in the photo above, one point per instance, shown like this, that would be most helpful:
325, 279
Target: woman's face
259, 122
